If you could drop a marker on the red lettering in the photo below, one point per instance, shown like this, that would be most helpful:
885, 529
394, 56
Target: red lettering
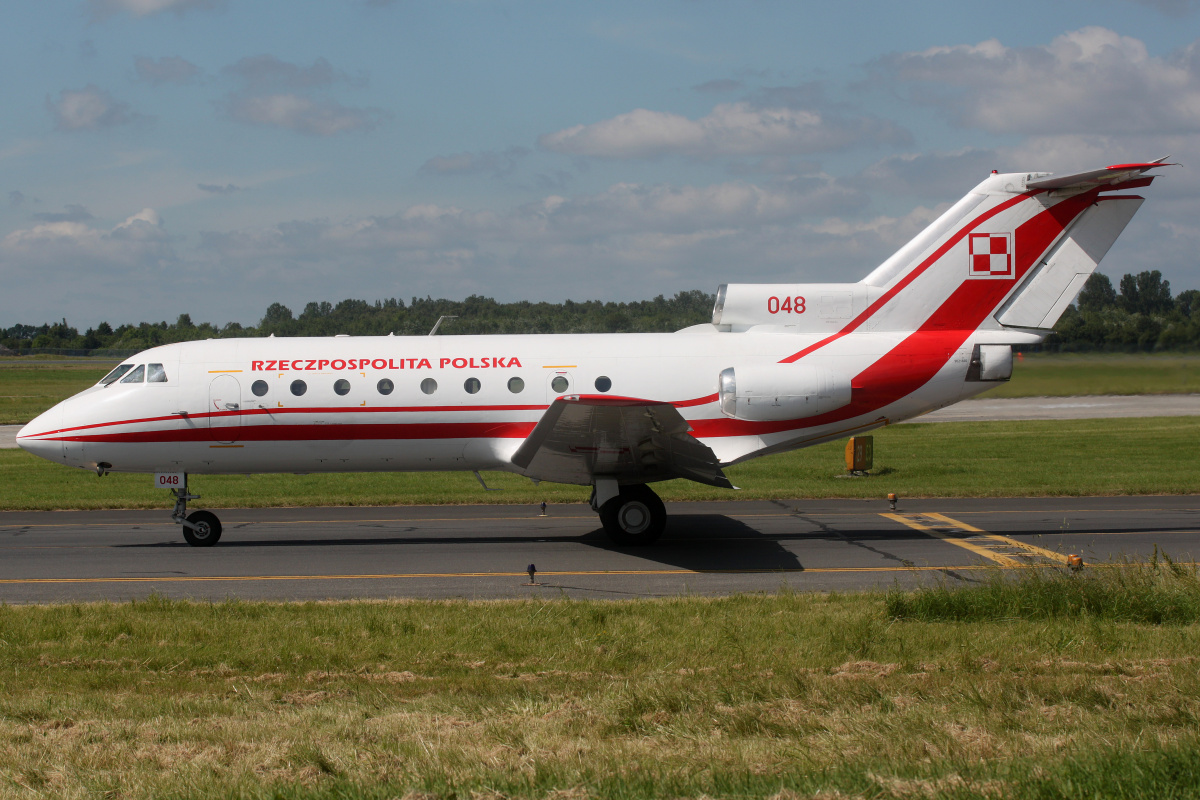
473, 364
270, 367
338, 361
352, 364
424, 364
255, 366
312, 364
799, 305
283, 365
363, 363
513, 362
379, 363
459, 363
297, 361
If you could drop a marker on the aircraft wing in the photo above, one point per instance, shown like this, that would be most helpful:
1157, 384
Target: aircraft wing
1117, 173
581, 437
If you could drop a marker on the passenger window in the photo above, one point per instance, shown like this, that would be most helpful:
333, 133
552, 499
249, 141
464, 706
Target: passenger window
429, 386
342, 386
516, 385
115, 374
603, 383
299, 388
385, 386
472, 385
156, 374
559, 384
259, 388
137, 376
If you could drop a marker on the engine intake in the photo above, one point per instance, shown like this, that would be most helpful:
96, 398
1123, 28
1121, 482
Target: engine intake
772, 392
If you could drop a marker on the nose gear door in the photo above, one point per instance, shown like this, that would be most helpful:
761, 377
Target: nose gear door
225, 409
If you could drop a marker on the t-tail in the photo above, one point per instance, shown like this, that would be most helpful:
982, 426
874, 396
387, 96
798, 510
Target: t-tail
1011, 255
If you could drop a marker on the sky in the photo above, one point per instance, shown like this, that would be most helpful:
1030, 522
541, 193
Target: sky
211, 157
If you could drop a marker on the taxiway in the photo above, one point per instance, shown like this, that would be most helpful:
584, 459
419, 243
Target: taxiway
481, 552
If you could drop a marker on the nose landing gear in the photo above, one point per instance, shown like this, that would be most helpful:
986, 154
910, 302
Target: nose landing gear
200, 528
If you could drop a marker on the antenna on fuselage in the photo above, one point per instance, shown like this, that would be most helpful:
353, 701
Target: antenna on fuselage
437, 324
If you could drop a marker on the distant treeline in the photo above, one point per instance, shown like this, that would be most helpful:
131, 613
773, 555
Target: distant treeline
359, 318
1140, 315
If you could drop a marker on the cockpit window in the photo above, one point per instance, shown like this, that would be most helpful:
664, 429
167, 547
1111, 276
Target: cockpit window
136, 376
115, 375
156, 374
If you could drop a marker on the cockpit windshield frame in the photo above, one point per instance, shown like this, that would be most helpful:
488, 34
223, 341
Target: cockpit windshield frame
117, 373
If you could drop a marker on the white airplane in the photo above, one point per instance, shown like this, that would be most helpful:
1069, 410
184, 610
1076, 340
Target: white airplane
781, 366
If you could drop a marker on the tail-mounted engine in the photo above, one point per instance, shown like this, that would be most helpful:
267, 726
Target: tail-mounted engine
768, 392
801, 307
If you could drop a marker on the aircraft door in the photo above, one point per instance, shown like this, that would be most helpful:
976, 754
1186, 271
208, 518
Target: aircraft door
559, 383
225, 409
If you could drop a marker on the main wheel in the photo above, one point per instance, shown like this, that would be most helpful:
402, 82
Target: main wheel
207, 529
634, 517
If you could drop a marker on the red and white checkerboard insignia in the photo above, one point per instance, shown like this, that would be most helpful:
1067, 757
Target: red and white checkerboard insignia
991, 255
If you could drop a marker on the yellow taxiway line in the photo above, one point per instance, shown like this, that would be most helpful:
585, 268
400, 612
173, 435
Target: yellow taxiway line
976, 540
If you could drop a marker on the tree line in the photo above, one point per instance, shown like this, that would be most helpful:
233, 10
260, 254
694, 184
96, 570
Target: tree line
1140, 314
474, 315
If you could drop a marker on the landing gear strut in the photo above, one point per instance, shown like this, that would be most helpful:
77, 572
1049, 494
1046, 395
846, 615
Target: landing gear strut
636, 516
200, 528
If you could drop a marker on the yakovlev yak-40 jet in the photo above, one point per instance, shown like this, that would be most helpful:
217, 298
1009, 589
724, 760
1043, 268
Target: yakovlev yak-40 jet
781, 366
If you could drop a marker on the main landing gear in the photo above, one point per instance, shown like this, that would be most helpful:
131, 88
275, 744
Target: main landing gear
200, 528
635, 516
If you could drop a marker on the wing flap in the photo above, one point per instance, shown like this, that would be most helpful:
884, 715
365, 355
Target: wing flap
582, 437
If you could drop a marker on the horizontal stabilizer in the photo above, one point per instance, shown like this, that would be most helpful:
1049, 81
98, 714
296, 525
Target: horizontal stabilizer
1111, 175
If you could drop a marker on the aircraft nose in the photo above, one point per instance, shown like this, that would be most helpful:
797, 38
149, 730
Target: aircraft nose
31, 437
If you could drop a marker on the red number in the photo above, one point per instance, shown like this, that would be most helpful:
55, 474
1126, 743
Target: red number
792, 305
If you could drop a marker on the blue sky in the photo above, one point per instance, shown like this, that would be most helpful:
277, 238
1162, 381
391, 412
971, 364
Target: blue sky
215, 156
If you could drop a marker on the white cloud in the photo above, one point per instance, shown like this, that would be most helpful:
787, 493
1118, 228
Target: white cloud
731, 129
1092, 80
301, 114
89, 108
146, 8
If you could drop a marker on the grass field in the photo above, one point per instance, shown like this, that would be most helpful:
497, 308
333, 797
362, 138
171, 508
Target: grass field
949, 459
28, 387
786, 696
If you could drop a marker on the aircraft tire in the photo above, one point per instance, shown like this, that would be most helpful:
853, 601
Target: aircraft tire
634, 517
207, 531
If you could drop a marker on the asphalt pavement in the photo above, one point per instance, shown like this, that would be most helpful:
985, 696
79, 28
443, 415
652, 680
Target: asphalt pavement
482, 552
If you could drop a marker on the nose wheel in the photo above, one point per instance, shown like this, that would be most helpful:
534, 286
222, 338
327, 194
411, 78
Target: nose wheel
200, 528
636, 516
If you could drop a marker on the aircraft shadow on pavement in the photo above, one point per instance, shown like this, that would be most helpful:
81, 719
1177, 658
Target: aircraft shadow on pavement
692, 541
708, 542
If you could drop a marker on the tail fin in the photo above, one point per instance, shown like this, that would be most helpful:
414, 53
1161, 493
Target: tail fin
1012, 253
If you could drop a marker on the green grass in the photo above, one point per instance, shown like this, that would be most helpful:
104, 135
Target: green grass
782, 697
28, 387
1062, 375
954, 459
1158, 591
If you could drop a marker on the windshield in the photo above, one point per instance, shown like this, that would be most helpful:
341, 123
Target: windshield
137, 376
115, 374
